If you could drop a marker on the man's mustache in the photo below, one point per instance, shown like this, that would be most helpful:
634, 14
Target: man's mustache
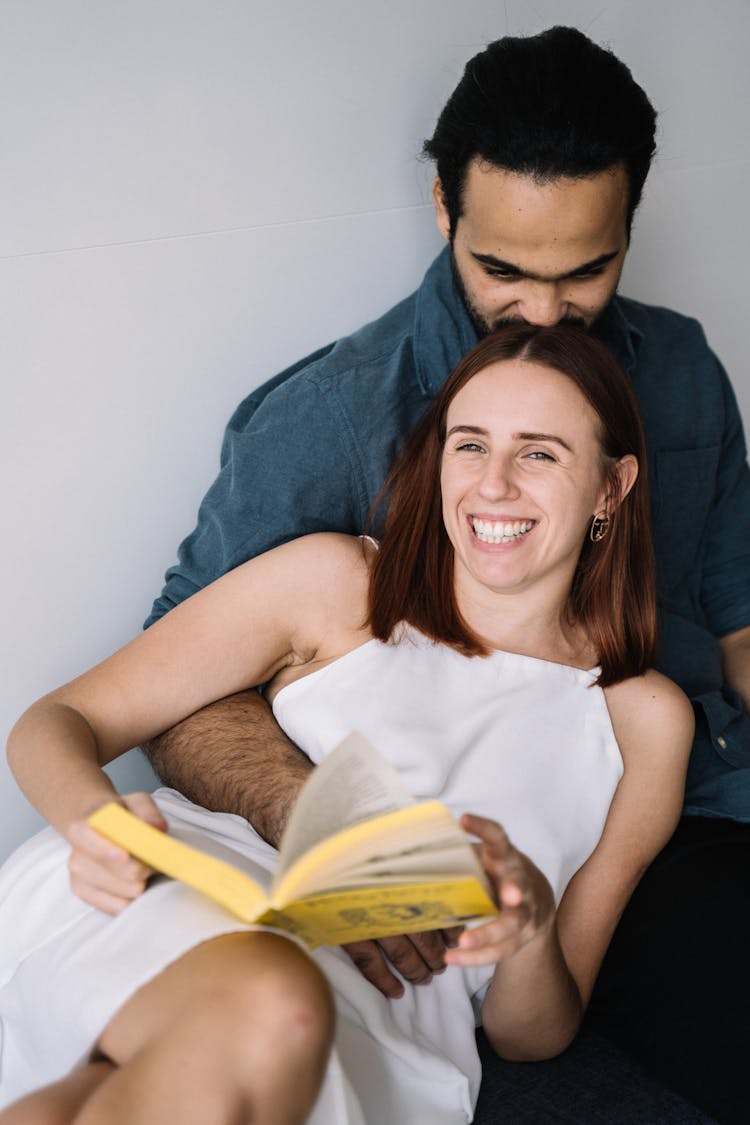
506, 321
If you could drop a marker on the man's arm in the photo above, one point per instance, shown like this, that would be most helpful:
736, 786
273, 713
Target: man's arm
725, 585
234, 757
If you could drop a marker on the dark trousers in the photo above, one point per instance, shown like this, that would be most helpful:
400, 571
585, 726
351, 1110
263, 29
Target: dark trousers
670, 1016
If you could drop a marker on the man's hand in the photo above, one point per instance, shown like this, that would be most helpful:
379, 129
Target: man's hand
416, 956
101, 873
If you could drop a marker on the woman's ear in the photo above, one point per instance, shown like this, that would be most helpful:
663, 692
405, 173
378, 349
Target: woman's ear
626, 470
441, 210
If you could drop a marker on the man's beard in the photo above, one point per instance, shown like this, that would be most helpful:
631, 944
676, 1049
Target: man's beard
484, 327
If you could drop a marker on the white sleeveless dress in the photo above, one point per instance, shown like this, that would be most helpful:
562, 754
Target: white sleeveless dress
524, 741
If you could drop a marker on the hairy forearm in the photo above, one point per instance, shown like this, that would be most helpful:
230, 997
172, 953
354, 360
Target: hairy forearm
533, 1008
233, 757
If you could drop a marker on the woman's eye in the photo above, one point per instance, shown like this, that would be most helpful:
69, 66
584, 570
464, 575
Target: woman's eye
540, 455
471, 447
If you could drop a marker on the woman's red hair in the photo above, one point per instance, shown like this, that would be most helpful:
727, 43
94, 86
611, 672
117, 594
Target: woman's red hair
613, 593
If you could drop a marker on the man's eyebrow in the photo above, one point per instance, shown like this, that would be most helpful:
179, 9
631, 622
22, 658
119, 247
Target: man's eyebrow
516, 271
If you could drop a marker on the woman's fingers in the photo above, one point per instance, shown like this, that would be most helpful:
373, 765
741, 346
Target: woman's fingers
144, 806
103, 874
503, 863
494, 940
521, 891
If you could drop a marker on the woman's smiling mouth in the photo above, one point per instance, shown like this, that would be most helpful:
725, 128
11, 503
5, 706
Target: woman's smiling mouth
500, 531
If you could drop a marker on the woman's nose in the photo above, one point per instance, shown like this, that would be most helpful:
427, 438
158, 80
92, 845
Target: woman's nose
498, 480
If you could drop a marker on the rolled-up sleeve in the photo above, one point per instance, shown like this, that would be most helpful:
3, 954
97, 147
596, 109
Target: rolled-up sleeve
725, 582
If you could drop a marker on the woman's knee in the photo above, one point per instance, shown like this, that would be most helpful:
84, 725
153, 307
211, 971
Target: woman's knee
288, 997
239, 992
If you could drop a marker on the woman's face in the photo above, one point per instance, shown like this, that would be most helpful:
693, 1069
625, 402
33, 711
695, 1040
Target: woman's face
522, 475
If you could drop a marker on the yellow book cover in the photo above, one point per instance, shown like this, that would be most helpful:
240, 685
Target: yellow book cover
359, 858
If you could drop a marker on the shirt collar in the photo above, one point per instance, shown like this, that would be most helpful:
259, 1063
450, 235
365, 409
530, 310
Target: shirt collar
618, 334
443, 331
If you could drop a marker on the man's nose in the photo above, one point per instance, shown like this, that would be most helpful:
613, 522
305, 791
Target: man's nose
542, 303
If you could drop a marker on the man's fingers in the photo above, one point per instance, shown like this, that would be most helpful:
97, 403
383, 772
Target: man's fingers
371, 962
416, 956
430, 945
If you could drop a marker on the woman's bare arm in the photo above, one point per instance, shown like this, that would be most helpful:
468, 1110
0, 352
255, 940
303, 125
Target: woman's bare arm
273, 612
543, 982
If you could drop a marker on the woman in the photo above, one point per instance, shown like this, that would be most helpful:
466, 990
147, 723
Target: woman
497, 648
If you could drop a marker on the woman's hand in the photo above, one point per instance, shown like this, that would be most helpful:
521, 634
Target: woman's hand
525, 898
101, 873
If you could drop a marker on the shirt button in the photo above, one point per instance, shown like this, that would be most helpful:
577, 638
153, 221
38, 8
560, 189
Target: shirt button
722, 742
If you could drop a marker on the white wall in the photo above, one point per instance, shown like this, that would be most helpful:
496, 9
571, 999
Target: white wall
194, 194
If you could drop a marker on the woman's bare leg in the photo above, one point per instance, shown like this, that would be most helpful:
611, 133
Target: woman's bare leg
237, 1030
58, 1103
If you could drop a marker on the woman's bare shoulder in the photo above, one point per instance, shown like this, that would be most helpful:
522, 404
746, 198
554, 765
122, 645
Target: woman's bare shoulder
311, 559
325, 558
649, 703
653, 722
326, 580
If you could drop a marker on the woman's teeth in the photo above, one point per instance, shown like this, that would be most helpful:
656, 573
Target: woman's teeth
492, 531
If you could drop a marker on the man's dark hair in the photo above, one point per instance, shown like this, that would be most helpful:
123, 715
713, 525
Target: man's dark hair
545, 106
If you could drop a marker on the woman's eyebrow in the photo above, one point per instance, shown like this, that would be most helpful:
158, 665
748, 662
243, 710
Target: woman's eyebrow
543, 437
467, 430
520, 436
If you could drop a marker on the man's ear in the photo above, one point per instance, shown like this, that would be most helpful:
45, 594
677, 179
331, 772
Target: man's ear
627, 474
441, 211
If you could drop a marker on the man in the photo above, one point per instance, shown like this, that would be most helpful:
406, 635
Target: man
541, 156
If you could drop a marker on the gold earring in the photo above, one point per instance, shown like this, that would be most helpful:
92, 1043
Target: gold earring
599, 528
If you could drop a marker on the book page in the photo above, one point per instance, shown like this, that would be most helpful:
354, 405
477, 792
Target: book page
353, 783
416, 844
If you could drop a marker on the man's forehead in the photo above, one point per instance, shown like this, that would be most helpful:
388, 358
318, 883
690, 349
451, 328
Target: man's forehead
541, 226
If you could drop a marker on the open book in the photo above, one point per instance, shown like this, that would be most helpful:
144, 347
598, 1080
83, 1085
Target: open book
359, 858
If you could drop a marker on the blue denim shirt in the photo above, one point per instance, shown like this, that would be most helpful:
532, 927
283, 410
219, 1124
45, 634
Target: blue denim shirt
309, 450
